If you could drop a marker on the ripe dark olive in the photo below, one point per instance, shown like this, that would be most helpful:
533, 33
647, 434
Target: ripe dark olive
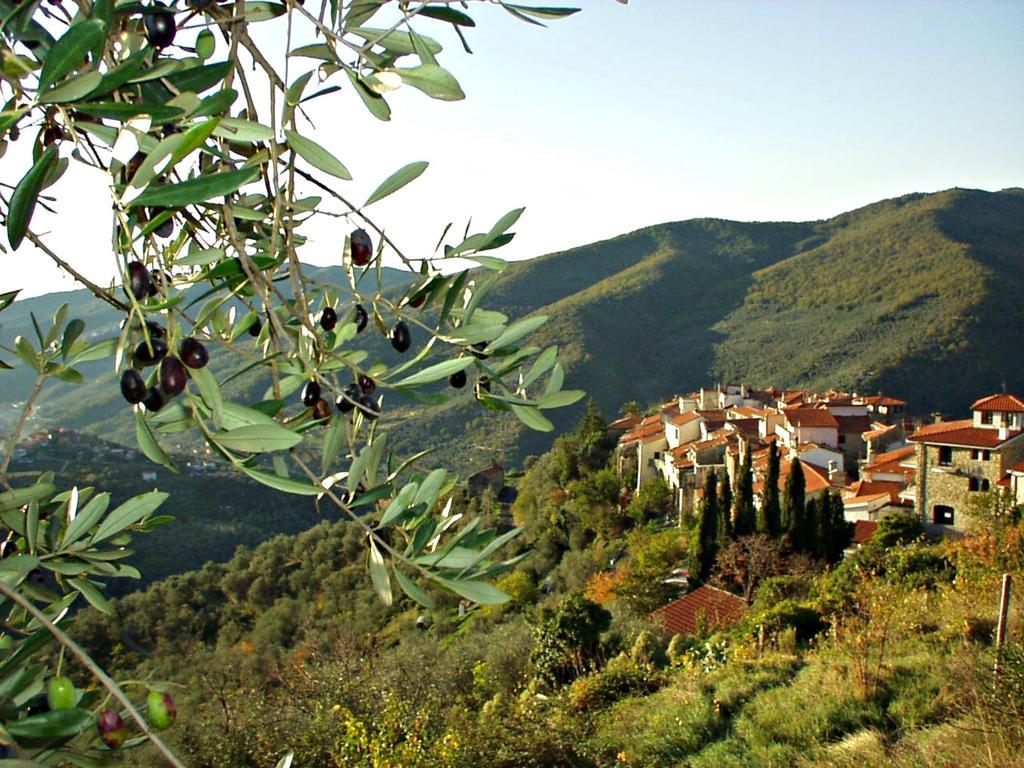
418, 301
310, 393
478, 350
169, 129
457, 379
369, 408
401, 338
133, 388
133, 165
328, 319
150, 354
155, 330
367, 384
161, 709
321, 410
154, 400
166, 229
61, 693
173, 376
139, 281
112, 728
160, 29
483, 384
52, 135
362, 247
193, 353
346, 401
256, 327
361, 318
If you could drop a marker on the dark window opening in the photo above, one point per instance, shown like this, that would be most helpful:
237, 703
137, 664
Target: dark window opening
945, 455
842, 439
986, 417
942, 514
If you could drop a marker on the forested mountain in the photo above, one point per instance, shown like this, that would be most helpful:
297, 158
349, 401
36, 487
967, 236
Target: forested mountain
889, 297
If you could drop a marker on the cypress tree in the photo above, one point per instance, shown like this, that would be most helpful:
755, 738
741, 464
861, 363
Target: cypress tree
794, 501
839, 533
770, 514
745, 513
704, 540
725, 531
814, 526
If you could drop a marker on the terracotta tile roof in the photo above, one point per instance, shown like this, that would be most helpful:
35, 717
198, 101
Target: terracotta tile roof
853, 425
745, 426
1002, 403
626, 422
685, 418
891, 457
810, 417
708, 606
864, 489
793, 396
877, 400
682, 463
1004, 481
877, 431
647, 430
746, 412
1017, 468
863, 530
961, 433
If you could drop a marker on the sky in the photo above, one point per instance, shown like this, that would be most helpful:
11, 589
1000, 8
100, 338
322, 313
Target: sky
623, 116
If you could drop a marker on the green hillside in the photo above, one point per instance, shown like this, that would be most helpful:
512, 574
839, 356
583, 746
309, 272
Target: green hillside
889, 297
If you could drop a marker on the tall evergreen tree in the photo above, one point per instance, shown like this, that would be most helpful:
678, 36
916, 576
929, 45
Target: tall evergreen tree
794, 500
725, 528
745, 513
809, 537
704, 540
837, 533
770, 514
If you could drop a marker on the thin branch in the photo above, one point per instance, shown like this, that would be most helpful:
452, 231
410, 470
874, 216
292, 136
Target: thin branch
95, 289
86, 661
37, 387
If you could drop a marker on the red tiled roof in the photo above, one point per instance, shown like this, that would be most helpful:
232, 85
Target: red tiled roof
866, 488
713, 608
1002, 403
878, 430
890, 457
626, 422
863, 530
685, 418
877, 400
961, 433
650, 426
811, 417
1017, 468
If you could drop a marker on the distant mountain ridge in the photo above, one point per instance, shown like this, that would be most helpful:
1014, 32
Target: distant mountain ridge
919, 295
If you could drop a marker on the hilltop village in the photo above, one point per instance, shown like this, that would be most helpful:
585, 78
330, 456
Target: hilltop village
865, 448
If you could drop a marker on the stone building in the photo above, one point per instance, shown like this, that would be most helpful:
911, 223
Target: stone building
957, 459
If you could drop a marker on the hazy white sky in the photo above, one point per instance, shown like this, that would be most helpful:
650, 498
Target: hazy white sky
624, 116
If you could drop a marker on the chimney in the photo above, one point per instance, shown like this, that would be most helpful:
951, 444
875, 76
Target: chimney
834, 475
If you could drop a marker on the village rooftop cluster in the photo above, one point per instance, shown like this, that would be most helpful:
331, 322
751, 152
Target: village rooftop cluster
867, 448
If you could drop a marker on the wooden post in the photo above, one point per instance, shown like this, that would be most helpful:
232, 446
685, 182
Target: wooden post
1004, 612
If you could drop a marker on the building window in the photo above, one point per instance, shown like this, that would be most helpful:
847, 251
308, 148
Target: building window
842, 439
945, 456
942, 515
979, 455
986, 417
657, 455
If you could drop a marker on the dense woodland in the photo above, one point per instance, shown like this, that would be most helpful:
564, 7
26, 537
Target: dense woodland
882, 658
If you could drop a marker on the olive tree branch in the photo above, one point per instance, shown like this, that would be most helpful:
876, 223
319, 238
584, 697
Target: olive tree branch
86, 661
12, 442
